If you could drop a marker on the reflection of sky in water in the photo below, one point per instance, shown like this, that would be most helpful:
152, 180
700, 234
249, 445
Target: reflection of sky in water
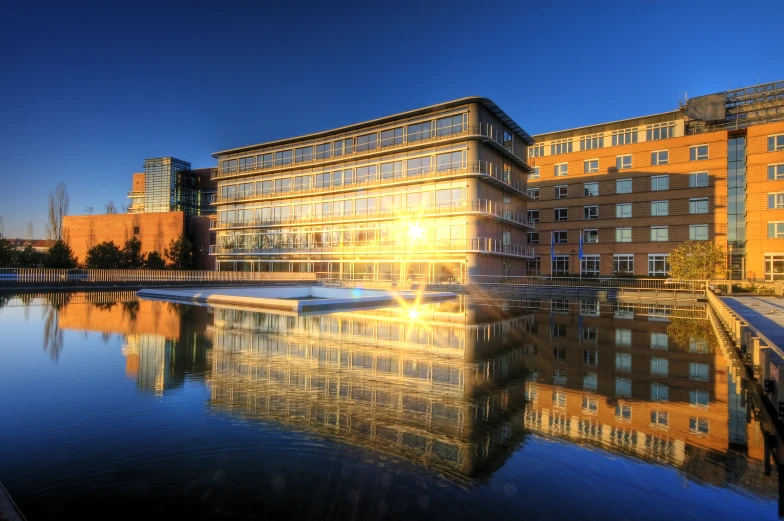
457, 411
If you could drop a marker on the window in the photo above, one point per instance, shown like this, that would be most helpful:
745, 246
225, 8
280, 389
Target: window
698, 371
559, 377
265, 160
698, 205
533, 193
623, 264
536, 151
660, 157
590, 265
623, 186
698, 153
419, 165
699, 426
699, 398
559, 399
560, 237
659, 131
623, 361
623, 337
534, 266
626, 136
247, 163
283, 158
590, 308
660, 419
775, 143
303, 154
591, 189
590, 382
323, 151
659, 392
561, 192
561, 214
591, 236
561, 146
590, 213
591, 166
776, 201
623, 162
658, 265
591, 142
659, 341
660, 182
561, 265
775, 172
449, 125
623, 210
698, 232
366, 142
659, 367
623, 387
393, 170
698, 179
449, 161
623, 411
419, 131
776, 230
590, 405
533, 216
534, 174
348, 145
508, 140
136, 230
392, 136
660, 234
623, 235
561, 170
533, 237
660, 208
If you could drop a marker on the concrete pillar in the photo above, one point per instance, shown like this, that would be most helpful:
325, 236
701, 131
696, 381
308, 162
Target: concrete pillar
754, 347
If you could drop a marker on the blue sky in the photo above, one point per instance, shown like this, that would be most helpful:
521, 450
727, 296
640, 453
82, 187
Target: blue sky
92, 89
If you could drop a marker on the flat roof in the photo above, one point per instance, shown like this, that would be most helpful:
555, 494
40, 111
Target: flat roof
584, 127
489, 104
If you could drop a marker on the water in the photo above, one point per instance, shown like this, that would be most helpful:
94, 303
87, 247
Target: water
111, 407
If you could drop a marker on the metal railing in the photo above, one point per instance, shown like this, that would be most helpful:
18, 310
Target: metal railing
435, 135
136, 193
273, 245
734, 324
15, 277
483, 169
482, 206
651, 284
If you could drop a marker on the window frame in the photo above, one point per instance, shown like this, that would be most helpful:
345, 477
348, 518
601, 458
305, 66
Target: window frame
557, 218
591, 166
587, 212
590, 232
655, 233
620, 162
557, 192
592, 185
617, 184
695, 204
773, 142
657, 203
695, 152
775, 171
694, 236
619, 210
655, 184
623, 230
694, 178
561, 169
656, 157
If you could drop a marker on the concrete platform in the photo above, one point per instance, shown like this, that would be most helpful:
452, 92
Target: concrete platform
766, 314
295, 298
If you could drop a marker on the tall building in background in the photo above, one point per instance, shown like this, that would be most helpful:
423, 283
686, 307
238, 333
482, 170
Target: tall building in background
433, 194
171, 185
634, 189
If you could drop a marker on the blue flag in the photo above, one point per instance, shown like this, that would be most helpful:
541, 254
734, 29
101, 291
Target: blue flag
552, 253
581, 245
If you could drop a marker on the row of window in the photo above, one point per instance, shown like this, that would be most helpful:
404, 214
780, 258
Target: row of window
624, 210
624, 186
404, 134
626, 136
623, 264
624, 162
697, 232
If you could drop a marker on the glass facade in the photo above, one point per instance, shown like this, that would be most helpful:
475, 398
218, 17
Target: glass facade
172, 186
736, 204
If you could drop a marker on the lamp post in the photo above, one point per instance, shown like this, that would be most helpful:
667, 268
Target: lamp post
729, 263
571, 264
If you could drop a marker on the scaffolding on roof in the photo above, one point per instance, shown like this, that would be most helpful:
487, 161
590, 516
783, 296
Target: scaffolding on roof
747, 106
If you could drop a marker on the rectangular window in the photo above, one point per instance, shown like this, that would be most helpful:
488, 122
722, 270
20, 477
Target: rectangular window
247, 163
419, 131
776, 201
591, 189
392, 136
699, 371
533, 237
775, 172
590, 213
534, 175
623, 264
303, 154
534, 267
533, 193
561, 214
660, 182
508, 140
659, 131
561, 170
699, 426
698, 232
659, 340
623, 235
698, 205
660, 157
623, 387
536, 150
323, 151
283, 158
559, 399
136, 230
591, 236
659, 392
699, 398
626, 136
449, 125
265, 160
623, 361
561, 146
775, 143
449, 161
393, 170
561, 265
337, 148
533, 216
698, 153
623, 186
592, 142
698, 179
659, 367
660, 208
623, 210
561, 192
560, 237
590, 405
660, 419
623, 162
366, 142
419, 165
660, 234
775, 230
591, 166
658, 265
590, 265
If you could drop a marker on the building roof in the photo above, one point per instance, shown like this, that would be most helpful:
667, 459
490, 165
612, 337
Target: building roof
587, 128
489, 104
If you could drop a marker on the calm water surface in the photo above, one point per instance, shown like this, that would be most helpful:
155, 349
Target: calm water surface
113, 407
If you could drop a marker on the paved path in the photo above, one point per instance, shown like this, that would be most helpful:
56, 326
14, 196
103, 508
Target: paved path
764, 313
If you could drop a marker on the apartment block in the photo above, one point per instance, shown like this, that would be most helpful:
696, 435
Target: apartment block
433, 194
630, 191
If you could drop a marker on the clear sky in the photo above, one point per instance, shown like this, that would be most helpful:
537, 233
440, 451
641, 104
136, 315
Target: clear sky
89, 90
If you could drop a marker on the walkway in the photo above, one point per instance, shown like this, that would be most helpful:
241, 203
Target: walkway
766, 314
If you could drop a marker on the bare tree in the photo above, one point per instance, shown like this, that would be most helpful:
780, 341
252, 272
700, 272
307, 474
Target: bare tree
89, 210
2, 228
123, 208
30, 232
58, 208
110, 208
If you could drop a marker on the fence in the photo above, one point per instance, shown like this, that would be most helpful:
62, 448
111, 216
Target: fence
20, 277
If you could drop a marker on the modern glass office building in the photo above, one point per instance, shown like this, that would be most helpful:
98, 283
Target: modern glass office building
171, 185
434, 194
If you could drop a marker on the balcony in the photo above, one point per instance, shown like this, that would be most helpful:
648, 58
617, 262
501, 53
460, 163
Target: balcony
482, 207
482, 169
275, 244
483, 131
135, 194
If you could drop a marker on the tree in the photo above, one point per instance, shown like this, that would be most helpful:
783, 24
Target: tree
29, 257
698, 260
110, 208
154, 261
60, 255
89, 210
104, 256
58, 208
7, 253
180, 253
132, 256
30, 235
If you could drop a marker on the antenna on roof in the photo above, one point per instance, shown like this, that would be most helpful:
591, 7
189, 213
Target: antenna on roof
683, 97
